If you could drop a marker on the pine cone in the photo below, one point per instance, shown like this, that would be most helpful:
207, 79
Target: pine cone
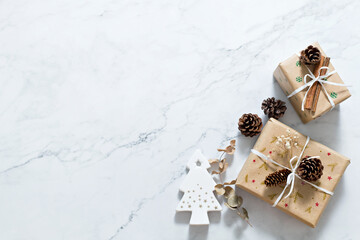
250, 124
310, 56
277, 177
273, 108
310, 169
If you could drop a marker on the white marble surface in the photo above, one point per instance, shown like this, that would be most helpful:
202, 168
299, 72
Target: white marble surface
103, 102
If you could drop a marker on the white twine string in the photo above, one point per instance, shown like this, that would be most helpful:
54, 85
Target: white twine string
291, 178
321, 80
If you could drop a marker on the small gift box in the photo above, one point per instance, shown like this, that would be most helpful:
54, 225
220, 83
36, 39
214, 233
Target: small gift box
296, 78
276, 147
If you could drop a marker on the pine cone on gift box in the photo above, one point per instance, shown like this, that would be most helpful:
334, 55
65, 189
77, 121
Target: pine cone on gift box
277, 177
310, 169
273, 108
310, 56
250, 124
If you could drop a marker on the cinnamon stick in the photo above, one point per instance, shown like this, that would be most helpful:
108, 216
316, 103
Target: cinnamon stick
311, 94
318, 86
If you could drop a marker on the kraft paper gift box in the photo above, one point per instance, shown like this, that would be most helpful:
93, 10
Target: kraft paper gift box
290, 76
305, 203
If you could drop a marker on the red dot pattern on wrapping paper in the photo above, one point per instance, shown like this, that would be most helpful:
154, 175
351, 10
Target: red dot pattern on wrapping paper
253, 180
270, 152
317, 204
329, 154
254, 160
329, 177
286, 205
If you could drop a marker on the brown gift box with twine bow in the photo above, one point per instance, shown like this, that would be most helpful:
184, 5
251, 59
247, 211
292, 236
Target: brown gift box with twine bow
305, 203
290, 76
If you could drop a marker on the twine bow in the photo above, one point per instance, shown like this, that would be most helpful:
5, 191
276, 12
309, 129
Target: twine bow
322, 80
290, 181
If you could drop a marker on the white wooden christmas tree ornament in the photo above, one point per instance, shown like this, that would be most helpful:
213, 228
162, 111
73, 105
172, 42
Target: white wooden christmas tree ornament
198, 188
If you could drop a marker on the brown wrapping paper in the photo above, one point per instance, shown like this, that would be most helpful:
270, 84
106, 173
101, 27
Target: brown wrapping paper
290, 76
306, 203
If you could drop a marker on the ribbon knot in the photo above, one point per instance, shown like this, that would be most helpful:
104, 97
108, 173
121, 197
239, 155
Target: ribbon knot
290, 181
290, 178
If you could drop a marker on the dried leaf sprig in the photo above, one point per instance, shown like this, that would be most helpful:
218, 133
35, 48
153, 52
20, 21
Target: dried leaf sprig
222, 164
233, 201
229, 149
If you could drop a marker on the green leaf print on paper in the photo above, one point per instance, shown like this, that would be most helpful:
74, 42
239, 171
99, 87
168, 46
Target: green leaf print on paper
299, 79
296, 196
264, 165
298, 63
333, 95
271, 196
332, 166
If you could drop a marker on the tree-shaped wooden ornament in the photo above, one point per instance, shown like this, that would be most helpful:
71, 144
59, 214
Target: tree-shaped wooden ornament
198, 190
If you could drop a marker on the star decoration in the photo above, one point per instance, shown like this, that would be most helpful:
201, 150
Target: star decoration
329, 177
329, 154
317, 204
254, 160
286, 205
270, 152
253, 180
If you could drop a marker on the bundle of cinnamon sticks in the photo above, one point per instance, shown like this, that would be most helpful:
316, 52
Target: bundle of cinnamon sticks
314, 92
